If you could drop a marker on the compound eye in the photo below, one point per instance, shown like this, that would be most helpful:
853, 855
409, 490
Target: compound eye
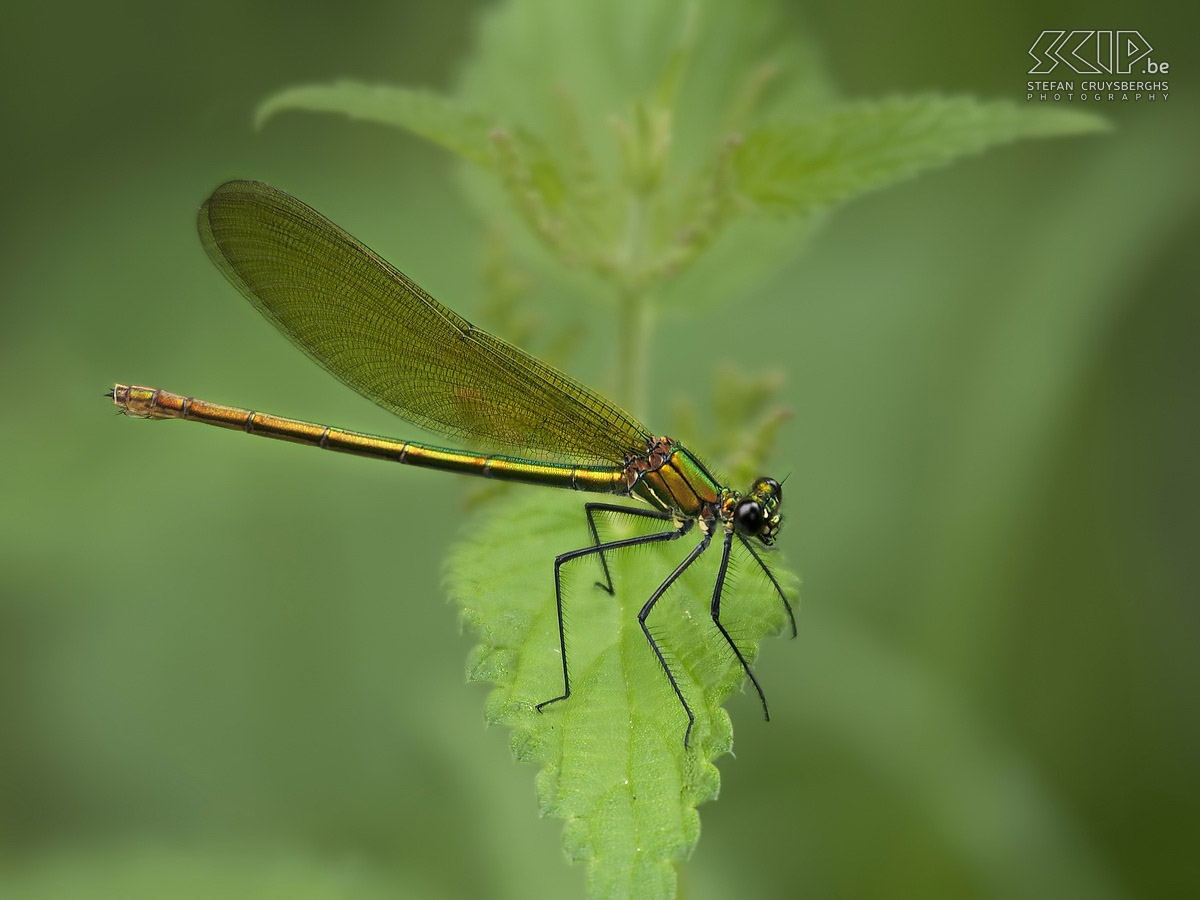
770, 486
748, 516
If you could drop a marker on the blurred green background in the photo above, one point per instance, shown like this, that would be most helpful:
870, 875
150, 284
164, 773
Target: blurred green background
225, 667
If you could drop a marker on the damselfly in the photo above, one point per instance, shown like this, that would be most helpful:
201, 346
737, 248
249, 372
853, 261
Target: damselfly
377, 331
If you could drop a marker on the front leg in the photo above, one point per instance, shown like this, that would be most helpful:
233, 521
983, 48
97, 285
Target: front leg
774, 582
715, 612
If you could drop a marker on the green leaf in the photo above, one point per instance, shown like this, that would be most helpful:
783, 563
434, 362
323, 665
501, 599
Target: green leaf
436, 118
705, 56
614, 764
799, 166
720, 66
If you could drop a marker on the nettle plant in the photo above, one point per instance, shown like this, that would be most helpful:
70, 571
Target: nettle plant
647, 155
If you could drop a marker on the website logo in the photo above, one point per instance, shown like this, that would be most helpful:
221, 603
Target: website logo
1123, 56
1093, 53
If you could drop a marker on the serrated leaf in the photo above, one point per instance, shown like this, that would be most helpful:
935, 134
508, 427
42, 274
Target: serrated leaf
428, 115
609, 59
614, 764
797, 167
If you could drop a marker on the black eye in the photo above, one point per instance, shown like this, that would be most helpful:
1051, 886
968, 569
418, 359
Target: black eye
769, 485
748, 516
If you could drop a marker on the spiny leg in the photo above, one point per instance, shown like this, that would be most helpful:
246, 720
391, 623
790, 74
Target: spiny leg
593, 508
782, 596
659, 591
672, 535
716, 617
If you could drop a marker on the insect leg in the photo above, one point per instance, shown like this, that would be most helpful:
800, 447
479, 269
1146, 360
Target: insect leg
593, 508
762, 565
716, 617
672, 535
659, 591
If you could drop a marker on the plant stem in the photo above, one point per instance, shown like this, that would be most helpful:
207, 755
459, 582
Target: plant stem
635, 320
634, 331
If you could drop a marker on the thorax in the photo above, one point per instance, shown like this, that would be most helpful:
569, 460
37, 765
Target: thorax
670, 478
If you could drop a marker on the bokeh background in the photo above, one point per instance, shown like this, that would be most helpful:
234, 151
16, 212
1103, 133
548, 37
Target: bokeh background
225, 667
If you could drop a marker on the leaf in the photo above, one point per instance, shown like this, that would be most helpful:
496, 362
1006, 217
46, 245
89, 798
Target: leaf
722, 64
800, 166
436, 118
610, 56
614, 765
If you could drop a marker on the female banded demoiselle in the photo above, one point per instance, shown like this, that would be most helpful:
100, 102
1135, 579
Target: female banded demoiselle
377, 331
